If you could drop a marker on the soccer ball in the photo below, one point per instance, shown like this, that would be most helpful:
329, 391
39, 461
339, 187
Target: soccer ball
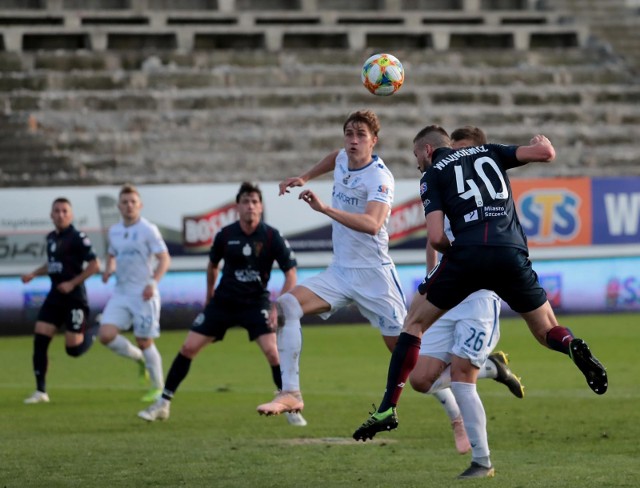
382, 74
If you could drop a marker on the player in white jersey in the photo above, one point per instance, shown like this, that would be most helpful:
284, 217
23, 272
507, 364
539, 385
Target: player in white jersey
139, 258
361, 271
457, 350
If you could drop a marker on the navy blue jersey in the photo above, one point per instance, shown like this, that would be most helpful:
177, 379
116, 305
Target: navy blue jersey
248, 260
67, 251
472, 188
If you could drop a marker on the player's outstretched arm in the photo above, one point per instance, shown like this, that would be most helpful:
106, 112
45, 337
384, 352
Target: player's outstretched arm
326, 164
539, 150
39, 271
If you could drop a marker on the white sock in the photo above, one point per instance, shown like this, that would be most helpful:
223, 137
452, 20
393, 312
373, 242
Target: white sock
289, 338
448, 402
443, 381
475, 420
122, 346
153, 361
488, 370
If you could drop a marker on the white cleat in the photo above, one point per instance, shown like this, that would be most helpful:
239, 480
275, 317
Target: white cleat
37, 397
295, 418
157, 411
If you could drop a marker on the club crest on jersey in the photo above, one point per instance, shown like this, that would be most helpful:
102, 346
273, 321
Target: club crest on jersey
52, 247
246, 250
257, 248
345, 180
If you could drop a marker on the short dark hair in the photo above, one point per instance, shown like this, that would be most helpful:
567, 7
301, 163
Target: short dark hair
434, 135
474, 134
61, 200
247, 187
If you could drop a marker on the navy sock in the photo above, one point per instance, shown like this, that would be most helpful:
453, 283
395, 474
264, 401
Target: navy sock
177, 373
277, 376
40, 360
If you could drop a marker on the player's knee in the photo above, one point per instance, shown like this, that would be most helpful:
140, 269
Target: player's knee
105, 336
74, 351
289, 306
420, 383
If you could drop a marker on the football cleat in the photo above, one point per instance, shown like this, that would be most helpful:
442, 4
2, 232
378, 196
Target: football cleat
152, 395
296, 419
285, 401
460, 436
477, 471
37, 397
591, 368
157, 411
505, 375
379, 421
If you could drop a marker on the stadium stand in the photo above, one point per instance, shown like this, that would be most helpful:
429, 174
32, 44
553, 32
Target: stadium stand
149, 91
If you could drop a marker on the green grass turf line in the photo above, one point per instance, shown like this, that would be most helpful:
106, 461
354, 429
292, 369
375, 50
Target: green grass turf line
559, 435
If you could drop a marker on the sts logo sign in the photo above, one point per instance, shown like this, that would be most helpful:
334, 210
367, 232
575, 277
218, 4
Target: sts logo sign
551, 214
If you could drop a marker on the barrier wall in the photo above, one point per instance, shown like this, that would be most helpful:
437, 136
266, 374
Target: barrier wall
584, 236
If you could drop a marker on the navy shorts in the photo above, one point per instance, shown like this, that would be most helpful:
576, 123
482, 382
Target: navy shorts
465, 269
218, 317
63, 312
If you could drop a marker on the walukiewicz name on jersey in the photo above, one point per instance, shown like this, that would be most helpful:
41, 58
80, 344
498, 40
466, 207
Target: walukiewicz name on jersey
469, 151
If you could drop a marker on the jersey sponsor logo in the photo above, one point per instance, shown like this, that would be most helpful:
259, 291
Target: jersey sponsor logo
346, 199
423, 187
247, 275
199, 230
384, 189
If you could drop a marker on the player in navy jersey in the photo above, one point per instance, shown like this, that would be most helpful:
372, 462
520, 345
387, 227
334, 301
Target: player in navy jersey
471, 187
66, 304
249, 248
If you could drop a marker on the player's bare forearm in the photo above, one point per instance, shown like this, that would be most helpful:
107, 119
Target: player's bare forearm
109, 268
432, 256
370, 222
92, 268
212, 277
326, 164
290, 280
39, 271
164, 261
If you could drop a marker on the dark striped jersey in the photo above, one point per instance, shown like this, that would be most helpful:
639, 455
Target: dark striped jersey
471, 187
248, 260
67, 251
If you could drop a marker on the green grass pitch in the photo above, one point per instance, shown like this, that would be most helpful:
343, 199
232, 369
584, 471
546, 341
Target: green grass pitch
560, 435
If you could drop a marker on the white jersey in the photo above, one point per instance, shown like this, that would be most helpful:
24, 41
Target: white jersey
352, 190
134, 248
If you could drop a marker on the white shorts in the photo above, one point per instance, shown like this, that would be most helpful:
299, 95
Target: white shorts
375, 291
125, 310
470, 330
